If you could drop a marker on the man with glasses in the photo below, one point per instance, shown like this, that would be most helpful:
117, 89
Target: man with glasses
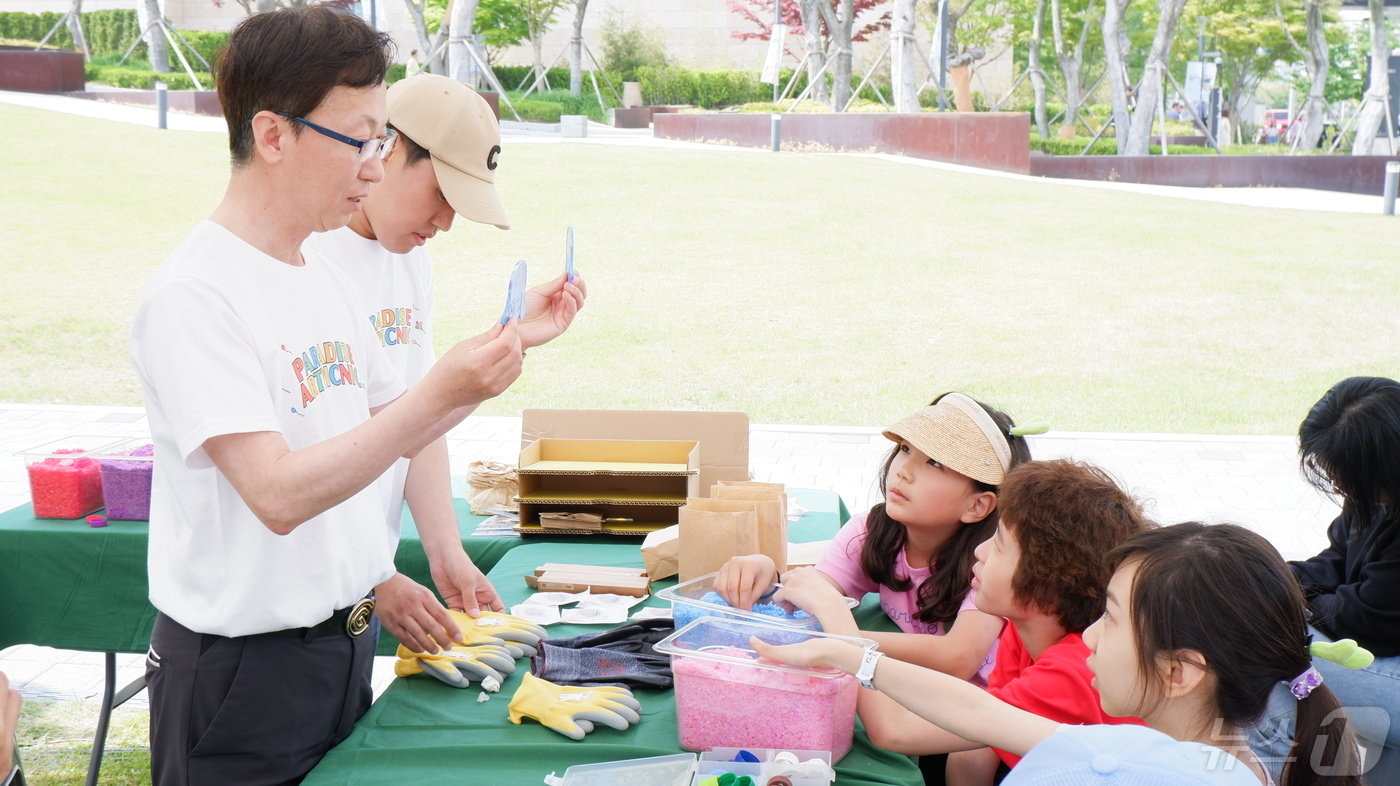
382, 251
274, 411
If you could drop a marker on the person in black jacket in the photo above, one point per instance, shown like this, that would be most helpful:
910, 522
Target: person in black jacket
1350, 449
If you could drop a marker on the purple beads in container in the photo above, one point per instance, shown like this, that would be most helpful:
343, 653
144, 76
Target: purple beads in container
126, 482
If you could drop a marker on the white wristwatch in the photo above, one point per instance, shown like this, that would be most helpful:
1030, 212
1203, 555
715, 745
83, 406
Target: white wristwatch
866, 673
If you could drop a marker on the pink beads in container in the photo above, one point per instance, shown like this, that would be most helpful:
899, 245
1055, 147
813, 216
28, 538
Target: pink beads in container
64, 479
126, 480
727, 697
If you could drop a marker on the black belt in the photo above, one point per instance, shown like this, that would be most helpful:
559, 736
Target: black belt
352, 621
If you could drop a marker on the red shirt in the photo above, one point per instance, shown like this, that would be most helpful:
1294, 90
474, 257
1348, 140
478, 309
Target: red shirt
1056, 685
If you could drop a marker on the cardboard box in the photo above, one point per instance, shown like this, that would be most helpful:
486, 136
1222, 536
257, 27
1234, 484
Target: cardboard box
597, 583
638, 484
608, 570
723, 436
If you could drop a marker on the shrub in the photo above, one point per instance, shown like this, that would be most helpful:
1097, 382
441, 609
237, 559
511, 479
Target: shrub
1106, 147
144, 78
709, 89
628, 49
106, 32
514, 77
538, 111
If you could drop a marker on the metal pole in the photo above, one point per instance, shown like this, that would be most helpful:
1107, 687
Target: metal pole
1392, 179
775, 136
777, 20
943, 56
162, 104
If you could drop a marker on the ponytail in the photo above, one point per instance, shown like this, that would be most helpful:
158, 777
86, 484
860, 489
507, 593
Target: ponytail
1324, 749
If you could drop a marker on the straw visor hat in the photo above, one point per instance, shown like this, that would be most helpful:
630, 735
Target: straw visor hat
457, 127
957, 433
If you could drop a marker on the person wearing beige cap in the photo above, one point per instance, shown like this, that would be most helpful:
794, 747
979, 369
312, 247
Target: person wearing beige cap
914, 547
444, 165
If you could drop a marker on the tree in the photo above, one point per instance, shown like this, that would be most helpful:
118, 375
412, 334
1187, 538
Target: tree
461, 23
1115, 49
1250, 40
902, 57
155, 38
427, 16
821, 26
1076, 25
1368, 125
539, 15
1139, 133
576, 48
1037, 73
501, 24
1307, 127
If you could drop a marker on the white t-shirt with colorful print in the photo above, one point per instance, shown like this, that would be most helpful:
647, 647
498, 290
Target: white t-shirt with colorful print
396, 296
228, 340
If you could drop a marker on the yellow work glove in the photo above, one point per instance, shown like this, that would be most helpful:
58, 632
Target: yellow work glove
517, 635
459, 666
570, 710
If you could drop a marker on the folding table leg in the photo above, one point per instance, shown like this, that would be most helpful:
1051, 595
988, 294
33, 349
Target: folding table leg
111, 699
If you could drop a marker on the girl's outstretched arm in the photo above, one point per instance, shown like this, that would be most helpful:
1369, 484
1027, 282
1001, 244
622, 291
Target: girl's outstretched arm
959, 652
959, 709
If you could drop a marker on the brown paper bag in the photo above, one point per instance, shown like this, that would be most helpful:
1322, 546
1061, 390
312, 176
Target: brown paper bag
661, 552
712, 531
772, 516
492, 487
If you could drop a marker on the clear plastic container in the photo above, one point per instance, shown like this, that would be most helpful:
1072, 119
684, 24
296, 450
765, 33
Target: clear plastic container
691, 600
673, 770
126, 479
64, 479
727, 697
763, 770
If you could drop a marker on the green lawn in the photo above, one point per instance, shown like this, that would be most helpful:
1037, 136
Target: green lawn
801, 288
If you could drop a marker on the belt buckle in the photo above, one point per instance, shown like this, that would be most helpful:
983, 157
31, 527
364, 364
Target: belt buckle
357, 622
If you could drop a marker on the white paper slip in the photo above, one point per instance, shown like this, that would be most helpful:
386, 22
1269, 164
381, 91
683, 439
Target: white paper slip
538, 613
593, 615
652, 613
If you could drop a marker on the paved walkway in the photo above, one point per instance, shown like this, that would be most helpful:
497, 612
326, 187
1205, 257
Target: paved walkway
1250, 480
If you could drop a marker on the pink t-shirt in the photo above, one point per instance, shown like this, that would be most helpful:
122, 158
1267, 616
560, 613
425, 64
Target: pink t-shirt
842, 564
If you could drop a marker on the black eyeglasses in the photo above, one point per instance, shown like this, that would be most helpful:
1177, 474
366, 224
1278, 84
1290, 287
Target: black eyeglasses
380, 145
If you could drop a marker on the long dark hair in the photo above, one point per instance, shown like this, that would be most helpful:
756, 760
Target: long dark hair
1224, 592
942, 593
1347, 446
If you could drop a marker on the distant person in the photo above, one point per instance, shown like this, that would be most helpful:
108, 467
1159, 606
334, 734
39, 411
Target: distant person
414, 66
1224, 130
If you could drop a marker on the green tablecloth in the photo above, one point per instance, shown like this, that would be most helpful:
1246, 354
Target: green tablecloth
65, 584
421, 730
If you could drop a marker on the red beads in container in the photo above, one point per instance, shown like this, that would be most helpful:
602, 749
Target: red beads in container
65, 481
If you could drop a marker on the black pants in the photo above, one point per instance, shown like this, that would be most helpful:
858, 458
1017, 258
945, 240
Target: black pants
254, 709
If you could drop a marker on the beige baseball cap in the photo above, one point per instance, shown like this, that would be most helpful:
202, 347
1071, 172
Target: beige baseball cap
957, 433
457, 127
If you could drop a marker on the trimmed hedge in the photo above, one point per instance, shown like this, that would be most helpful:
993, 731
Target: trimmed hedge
512, 76
538, 111
108, 33
1107, 147
145, 79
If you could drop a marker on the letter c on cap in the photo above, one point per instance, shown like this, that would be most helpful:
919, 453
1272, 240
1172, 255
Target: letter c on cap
491, 157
